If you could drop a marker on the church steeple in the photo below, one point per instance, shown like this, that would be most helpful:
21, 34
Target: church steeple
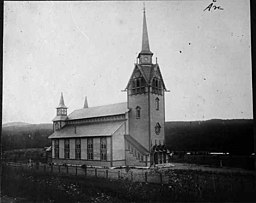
85, 103
145, 56
61, 109
61, 104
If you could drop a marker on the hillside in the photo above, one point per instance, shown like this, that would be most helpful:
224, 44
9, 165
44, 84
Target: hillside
233, 136
26, 136
15, 124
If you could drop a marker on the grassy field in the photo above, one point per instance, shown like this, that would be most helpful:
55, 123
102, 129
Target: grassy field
184, 186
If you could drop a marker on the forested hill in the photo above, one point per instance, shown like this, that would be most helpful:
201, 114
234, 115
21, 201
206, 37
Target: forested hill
233, 136
19, 136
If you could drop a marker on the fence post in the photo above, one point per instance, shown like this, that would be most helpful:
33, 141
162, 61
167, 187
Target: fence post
107, 173
146, 176
67, 168
119, 175
95, 172
161, 178
76, 170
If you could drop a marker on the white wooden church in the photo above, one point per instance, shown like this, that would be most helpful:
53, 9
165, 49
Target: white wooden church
129, 133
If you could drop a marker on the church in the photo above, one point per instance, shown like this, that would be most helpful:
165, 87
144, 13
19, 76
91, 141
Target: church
122, 134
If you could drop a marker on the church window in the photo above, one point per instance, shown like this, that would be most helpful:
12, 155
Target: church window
138, 112
157, 128
56, 148
56, 126
90, 148
156, 86
157, 103
78, 148
103, 149
138, 85
66, 148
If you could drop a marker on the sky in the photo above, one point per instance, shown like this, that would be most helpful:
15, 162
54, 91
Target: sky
89, 49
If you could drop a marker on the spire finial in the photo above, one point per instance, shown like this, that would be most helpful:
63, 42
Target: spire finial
144, 9
85, 103
145, 41
61, 104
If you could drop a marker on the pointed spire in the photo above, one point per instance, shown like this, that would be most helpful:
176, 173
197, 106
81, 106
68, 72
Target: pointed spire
61, 104
85, 103
145, 40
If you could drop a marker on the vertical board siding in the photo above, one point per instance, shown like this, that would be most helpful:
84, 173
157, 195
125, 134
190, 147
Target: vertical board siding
72, 149
83, 148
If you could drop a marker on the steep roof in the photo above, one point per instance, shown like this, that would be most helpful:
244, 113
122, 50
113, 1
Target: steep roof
89, 130
85, 103
99, 111
145, 41
61, 104
147, 71
60, 118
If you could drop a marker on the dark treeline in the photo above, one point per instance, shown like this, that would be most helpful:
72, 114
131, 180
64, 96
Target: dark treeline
26, 136
233, 136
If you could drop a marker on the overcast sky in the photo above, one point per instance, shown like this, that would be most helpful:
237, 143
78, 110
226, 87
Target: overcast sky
89, 49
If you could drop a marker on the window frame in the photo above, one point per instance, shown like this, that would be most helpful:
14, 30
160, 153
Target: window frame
90, 149
157, 104
138, 112
56, 149
157, 86
103, 149
78, 148
66, 148
138, 86
157, 128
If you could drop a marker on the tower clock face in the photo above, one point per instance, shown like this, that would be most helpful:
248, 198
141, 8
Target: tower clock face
145, 59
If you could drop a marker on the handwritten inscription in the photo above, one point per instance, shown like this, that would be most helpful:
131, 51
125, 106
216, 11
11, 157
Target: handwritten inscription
212, 6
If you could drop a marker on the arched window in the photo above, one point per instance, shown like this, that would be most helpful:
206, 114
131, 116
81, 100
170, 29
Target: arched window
138, 112
156, 86
138, 85
157, 128
157, 103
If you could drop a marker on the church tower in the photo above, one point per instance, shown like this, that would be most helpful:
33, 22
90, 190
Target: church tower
145, 96
59, 120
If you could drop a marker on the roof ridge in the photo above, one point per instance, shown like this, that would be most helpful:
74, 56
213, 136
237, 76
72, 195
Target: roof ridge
101, 106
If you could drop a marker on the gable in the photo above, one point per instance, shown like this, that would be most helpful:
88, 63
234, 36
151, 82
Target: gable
148, 72
156, 73
137, 72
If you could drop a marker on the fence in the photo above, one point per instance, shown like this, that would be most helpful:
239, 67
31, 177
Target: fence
134, 175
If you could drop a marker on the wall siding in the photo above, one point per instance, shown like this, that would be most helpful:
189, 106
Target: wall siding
96, 148
157, 116
83, 148
139, 128
108, 148
81, 162
53, 155
118, 144
72, 148
61, 148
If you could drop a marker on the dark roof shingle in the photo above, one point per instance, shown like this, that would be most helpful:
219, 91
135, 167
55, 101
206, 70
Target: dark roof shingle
99, 111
